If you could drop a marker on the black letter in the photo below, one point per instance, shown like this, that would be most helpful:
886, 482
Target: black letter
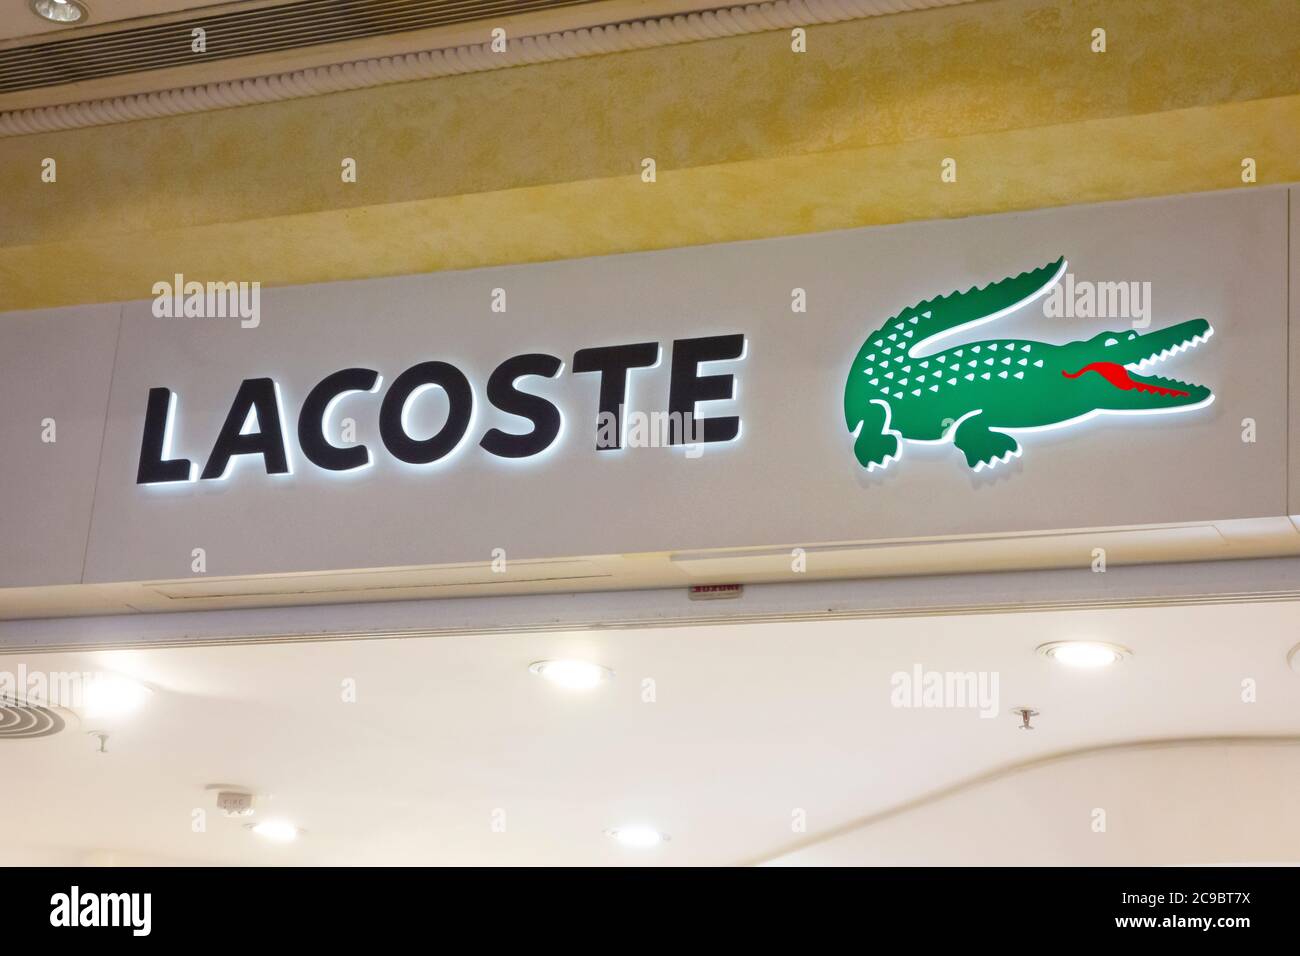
256, 395
460, 399
311, 420
689, 387
613, 362
502, 393
157, 424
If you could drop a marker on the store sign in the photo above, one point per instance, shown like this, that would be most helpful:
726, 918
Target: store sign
256, 422
403, 422
978, 394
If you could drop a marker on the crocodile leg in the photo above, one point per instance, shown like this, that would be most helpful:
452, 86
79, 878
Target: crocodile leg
984, 448
876, 444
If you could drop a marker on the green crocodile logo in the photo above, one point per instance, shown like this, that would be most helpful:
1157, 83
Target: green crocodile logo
976, 394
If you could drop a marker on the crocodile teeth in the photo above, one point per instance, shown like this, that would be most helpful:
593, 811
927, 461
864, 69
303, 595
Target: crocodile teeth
1154, 359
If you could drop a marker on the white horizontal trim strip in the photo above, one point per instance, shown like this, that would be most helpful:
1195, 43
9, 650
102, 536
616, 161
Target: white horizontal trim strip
1246, 581
429, 64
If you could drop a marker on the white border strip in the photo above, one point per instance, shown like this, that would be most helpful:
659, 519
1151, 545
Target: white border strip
1189, 584
429, 64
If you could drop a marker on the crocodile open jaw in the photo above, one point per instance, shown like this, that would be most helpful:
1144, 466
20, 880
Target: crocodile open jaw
1120, 375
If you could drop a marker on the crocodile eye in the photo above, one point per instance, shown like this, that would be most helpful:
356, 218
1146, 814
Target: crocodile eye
1132, 336
1109, 342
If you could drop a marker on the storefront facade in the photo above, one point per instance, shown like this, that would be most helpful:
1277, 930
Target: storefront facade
657, 404
944, 313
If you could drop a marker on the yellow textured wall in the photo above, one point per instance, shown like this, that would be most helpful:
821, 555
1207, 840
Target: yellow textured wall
751, 140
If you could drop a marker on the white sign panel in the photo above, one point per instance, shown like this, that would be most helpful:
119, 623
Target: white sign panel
1095, 368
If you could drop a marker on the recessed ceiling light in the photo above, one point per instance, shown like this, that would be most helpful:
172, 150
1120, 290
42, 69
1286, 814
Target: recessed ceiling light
59, 11
1084, 654
571, 675
277, 830
637, 836
107, 695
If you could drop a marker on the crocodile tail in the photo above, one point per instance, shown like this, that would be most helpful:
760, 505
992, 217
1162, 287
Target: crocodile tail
917, 325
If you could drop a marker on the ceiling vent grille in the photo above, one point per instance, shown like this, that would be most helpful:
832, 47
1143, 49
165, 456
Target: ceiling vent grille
22, 721
239, 34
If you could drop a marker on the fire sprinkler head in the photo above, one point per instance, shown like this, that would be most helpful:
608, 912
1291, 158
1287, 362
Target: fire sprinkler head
1025, 714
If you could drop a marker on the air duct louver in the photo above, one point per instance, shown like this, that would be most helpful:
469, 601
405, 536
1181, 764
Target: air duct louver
239, 34
22, 721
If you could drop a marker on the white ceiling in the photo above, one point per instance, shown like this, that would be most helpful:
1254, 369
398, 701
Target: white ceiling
1157, 801
751, 722
18, 20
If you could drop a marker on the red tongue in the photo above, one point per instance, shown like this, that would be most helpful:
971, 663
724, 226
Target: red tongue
1118, 376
